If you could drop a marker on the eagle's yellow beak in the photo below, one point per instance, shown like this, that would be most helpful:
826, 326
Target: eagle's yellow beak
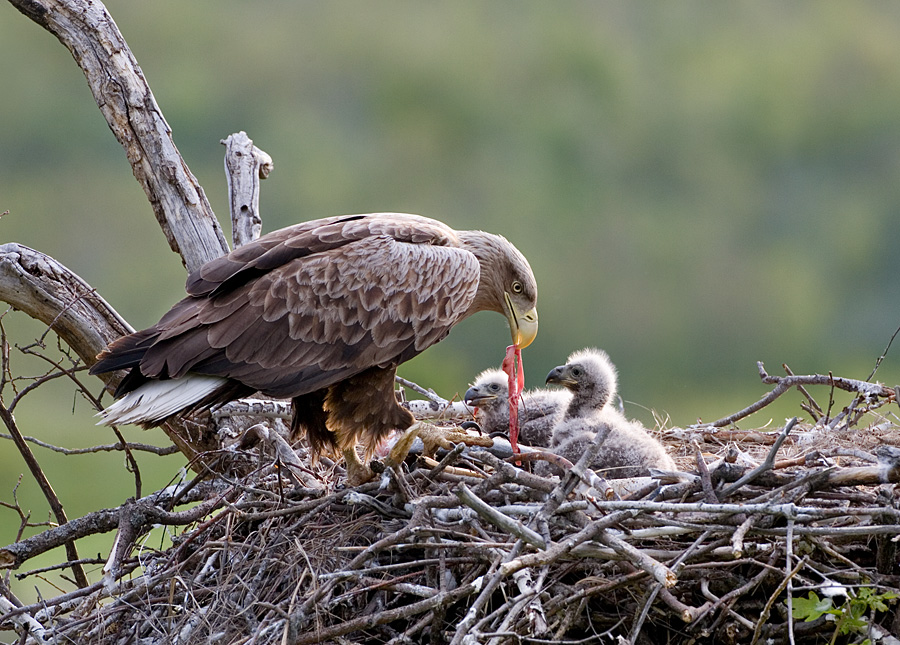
522, 326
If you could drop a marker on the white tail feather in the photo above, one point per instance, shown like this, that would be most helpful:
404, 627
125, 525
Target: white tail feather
155, 400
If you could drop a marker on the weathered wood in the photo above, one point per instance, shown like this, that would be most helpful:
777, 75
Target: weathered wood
124, 97
103, 521
46, 290
245, 166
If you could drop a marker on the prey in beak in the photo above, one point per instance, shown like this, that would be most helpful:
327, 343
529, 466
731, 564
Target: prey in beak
524, 327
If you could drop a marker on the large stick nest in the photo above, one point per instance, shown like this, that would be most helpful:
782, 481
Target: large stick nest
472, 549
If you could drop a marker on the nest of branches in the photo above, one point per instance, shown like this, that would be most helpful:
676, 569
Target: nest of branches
769, 537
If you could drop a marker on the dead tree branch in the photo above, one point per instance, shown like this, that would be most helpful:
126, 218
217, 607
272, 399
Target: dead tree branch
103, 521
123, 96
868, 391
245, 166
47, 291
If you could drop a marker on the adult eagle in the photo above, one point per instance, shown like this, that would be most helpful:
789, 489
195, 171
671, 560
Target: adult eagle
322, 313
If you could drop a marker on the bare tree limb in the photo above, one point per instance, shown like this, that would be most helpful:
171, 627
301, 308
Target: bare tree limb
245, 166
497, 518
106, 520
46, 290
281, 409
124, 97
767, 464
784, 383
110, 447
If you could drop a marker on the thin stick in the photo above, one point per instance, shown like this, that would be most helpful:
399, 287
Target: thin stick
813, 407
764, 616
766, 465
785, 383
788, 556
110, 447
883, 354
498, 519
428, 394
44, 484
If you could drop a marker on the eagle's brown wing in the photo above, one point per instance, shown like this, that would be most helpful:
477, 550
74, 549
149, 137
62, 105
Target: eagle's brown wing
309, 238
305, 307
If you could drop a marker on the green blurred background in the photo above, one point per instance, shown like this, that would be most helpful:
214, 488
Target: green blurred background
698, 185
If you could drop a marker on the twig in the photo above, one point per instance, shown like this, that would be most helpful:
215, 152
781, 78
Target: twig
28, 625
785, 383
660, 572
813, 407
487, 588
264, 408
447, 460
132, 462
767, 465
111, 447
883, 354
571, 478
708, 492
642, 615
737, 539
788, 558
686, 613
102, 521
498, 519
764, 616
428, 394
44, 484
387, 616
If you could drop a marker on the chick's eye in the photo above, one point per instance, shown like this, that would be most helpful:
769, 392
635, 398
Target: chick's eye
517, 287
577, 371
494, 387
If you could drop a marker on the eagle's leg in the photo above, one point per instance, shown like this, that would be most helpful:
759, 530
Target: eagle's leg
402, 446
357, 472
434, 438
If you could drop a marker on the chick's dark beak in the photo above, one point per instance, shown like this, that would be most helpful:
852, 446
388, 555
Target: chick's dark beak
560, 376
475, 397
554, 375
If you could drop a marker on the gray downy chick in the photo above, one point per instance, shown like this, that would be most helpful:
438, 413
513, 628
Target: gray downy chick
539, 409
628, 451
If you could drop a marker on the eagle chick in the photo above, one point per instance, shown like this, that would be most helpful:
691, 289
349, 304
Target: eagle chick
628, 450
540, 409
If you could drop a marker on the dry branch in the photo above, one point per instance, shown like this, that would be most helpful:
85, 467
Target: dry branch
123, 96
46, 290
868, 391
281, 409
49, 494
102, 521
110, 447
245, 166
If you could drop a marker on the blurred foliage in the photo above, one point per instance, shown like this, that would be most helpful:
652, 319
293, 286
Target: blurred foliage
698, 185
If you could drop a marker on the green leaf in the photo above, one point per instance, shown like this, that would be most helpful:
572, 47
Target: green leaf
810, 608
850, 624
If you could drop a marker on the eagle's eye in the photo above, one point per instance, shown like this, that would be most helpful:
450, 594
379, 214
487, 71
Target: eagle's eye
577, 371
517, 287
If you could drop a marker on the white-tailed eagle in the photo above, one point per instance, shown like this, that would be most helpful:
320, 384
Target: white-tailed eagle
322, 313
